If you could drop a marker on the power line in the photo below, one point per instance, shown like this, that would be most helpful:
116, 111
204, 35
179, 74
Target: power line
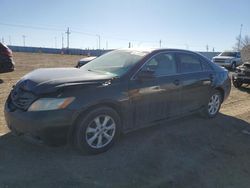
155, 42
31, 27
73, 31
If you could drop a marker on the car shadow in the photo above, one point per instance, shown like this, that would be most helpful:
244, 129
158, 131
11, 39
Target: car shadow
189, 152
1, 81
245, 88
6, 71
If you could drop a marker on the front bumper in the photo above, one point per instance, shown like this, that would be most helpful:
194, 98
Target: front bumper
50, 127
241, 78
227, 65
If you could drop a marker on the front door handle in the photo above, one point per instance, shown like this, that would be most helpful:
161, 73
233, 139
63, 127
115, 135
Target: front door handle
177, 82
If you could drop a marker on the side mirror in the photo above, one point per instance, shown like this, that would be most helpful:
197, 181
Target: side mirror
145, 75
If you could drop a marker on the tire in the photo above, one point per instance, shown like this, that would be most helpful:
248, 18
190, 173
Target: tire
97, 131
213, 105
237, 83
233, 66
6, 67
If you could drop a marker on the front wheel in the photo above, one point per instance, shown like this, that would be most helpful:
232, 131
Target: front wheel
233, 66
213, 106
237, 83
98, 130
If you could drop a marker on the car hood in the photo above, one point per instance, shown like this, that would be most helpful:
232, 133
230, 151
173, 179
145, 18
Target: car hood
223, 57
88, 59
245, 66
49, 80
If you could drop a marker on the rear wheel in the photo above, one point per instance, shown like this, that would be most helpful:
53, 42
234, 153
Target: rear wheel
97, 131
213, 106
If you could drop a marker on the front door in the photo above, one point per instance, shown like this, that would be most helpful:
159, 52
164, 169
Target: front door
158, 97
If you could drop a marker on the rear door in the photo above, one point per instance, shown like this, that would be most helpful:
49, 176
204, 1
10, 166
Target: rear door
196, 81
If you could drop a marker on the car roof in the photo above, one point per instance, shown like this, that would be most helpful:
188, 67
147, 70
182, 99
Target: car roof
150, 50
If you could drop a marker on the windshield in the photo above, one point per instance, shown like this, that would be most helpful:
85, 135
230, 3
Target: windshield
231, 54
116, 62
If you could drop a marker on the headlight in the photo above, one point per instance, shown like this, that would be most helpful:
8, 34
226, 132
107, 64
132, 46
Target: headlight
45, 104
238, 70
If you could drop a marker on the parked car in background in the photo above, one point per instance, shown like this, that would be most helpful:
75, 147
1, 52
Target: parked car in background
84, 61
241, 75
6, 62
120, 91
228, 59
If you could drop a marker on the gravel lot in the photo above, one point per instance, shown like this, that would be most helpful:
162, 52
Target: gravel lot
189, 152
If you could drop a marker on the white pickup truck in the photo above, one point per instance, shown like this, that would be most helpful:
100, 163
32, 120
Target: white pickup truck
228, 60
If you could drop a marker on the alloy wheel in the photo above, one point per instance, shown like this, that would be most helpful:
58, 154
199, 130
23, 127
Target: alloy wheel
100, 131
214, 104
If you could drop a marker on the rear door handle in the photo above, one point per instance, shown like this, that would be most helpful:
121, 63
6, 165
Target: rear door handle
176, 82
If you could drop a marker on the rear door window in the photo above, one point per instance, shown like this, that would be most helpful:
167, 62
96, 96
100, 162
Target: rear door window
189, 63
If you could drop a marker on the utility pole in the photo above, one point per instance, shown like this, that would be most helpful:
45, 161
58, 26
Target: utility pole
9, 40
240, 37
207, 47
24, 38
99, 41
106, 45
129, 45
160, 43
62, 41
55, 42
68, 33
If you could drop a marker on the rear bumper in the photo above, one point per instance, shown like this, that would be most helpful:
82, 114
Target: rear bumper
50, 127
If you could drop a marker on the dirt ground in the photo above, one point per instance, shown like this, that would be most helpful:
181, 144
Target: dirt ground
189, 152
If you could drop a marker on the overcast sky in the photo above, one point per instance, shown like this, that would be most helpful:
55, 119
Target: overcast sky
190, 24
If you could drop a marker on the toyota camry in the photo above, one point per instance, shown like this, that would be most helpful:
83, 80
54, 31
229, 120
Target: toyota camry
118, 92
